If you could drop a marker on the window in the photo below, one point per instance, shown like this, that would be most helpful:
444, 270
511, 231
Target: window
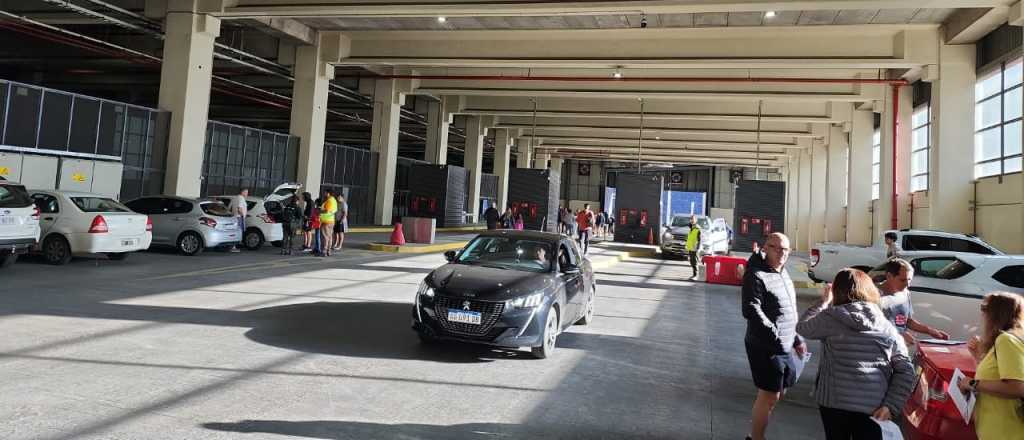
944, 268
508, 253
935, 243
997, 121
919, 148
213, 208
175, 206
1012, 276
46, 203
147, 205
14, 196
876, 164
98, 204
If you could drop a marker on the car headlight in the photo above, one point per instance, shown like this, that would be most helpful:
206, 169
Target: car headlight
425, 290
525, 302
666, 237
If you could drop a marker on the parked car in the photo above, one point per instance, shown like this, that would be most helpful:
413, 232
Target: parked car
84, 223
19, 222
948, 286
827, 259
190, 225
509, 289
714, 236
261, 224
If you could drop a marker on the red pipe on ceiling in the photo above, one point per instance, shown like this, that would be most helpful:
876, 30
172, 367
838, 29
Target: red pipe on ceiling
678, 79
894, 221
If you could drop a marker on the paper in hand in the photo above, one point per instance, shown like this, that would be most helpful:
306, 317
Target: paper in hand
964, 402
890, 430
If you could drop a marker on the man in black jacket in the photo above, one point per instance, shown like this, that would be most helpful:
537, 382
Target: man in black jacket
769, 306
491, 216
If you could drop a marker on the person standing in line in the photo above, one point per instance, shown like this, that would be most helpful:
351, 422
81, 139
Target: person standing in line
491, 217
896, 305
692, 244
772, 343
585, 223
327, 211
567, 221
239, 208
315, 226
340, 223
291, 217
599, 224
507, 219
891, 248
998, 382
308, 206
865, 372
520, 223
611, 225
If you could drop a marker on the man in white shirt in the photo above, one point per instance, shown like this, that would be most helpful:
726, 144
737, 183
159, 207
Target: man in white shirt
895, 302
240, 209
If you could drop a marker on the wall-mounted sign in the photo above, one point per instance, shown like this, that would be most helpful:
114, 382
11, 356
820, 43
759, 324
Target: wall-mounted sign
583, 169
79, 177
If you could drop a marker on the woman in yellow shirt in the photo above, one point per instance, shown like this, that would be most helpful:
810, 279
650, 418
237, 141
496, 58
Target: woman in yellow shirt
327, 211
999, 380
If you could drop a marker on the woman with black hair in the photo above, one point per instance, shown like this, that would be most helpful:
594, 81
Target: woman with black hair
307, 225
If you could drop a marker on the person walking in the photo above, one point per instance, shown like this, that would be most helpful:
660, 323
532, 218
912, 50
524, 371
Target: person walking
585, 223
692, 244
491, 216
308, 206
895, 302
865, 372
291, 218
340, 223
611, 225
567, 221
327, 211
769, 306
599, 221
998, 381
239, 208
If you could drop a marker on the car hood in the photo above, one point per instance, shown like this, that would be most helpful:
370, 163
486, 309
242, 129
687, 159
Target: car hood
486, 283
679, 229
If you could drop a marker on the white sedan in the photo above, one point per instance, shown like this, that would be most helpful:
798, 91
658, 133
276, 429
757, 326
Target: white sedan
948, 286
84, 223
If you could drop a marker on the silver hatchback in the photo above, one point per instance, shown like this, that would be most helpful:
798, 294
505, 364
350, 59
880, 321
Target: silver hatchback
190, 225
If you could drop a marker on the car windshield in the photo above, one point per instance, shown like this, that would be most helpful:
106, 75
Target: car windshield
508, 253
680, 221
14, 196
215, 208
98, 204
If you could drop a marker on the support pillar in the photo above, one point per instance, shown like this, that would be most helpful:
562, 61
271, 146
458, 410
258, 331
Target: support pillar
502, 156
884, 213
804, 199
792, 176
555, 164
540, 162
952, 140
858, 192
474, 162
309, 113
438, 122
835, 185
818, 196
185, 78
387, 105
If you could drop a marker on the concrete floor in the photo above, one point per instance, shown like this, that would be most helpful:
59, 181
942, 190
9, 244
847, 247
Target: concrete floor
255, 345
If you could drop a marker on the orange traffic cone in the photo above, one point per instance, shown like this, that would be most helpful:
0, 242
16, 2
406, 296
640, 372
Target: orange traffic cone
650, 236
397, 236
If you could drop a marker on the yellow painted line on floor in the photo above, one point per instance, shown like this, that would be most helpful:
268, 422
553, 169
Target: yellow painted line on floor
417, 249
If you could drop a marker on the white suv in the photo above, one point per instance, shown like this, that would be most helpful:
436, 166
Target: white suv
19, 222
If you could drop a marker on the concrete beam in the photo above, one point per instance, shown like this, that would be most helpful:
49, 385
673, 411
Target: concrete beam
709, 95
649, 115
673, 143
284, 28
657, 131
970, 24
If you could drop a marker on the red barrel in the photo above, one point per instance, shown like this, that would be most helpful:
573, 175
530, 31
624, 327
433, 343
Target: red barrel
722, 269
930, 413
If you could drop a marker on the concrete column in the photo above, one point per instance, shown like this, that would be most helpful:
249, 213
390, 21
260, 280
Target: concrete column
884, 212
309, 113
952, 138
818, 196
835, 183
540, 162
387, 105
502, 156
555, 164
523, 157
858, 192
438, 121
474, 162
803, 199
185, 91
792, 174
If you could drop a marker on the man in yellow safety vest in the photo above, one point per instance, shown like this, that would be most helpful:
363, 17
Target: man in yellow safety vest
692, 243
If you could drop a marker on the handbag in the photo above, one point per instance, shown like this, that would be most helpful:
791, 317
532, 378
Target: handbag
1019, 409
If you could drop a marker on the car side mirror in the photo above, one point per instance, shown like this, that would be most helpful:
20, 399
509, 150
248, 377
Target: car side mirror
450, 256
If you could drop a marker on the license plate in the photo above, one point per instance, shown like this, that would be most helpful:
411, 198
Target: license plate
127, 242
464, 316
8, 220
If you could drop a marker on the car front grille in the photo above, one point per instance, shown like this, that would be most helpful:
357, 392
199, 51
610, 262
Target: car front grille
489, 314
681, 237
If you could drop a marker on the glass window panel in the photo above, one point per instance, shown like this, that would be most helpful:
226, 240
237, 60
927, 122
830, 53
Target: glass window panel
876, 154
83, 125
920, 138
1013, 73
1011, 139
23, 117
919, 183
1011, 165
876, 173
874, 191
988, 113
920, 116
111, 129
1012, 102
986, 169
919, 162
987, 145
876, 138
53, 133
988, 85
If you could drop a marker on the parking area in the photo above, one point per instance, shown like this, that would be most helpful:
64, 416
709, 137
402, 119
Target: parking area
220, 345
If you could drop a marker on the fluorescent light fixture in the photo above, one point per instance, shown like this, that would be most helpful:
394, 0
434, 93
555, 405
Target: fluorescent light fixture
617, 74
442, 19
769, 14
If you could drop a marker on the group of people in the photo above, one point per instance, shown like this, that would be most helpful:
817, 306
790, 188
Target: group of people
322, 222
866, 372
597, 224
507, 220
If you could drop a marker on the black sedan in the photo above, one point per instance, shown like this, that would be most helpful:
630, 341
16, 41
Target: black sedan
508, 289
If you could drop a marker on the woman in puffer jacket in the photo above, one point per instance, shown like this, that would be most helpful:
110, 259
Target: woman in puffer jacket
865, 371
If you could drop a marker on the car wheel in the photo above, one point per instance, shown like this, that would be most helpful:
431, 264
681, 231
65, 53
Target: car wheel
117, 256
253, 239
588, 315
549, 337
56, 250
8, 260
190, 243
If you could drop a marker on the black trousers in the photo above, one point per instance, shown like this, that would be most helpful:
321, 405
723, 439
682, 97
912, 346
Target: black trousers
288, 234
848, 425
584, 240
693, 262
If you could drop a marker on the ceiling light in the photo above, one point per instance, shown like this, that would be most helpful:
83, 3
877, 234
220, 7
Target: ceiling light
769, 14
442, 19
617, 74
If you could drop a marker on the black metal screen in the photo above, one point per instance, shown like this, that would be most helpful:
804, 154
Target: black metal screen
237, 157
534, 193
638, 208
760, 210
352, 172
438, 191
